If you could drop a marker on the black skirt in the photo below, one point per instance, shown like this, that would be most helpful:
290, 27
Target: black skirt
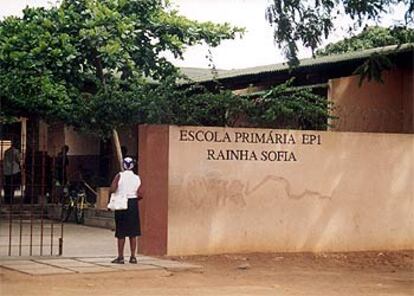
127, 222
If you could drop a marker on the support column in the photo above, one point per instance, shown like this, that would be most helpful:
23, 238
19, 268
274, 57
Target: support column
153, 170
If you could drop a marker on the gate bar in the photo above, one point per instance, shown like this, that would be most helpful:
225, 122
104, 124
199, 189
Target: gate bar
42, 194
10, 211
23, 134
32, 179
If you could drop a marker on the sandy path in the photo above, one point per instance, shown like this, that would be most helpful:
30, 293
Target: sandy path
364, 273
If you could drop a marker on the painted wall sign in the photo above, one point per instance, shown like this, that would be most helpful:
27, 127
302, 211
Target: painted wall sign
215, 190
272, 138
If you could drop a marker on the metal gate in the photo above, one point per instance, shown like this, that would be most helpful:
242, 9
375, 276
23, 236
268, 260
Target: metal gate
27, 193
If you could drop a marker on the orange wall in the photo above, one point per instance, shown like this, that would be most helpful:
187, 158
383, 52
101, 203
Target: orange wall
373, 107
408, 101
343, 192
153, 169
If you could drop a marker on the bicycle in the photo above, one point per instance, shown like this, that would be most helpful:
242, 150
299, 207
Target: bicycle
74, 200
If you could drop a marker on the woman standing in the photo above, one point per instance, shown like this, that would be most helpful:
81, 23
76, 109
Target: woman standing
127, 221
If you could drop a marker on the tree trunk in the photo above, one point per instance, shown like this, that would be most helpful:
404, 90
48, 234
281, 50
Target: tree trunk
117, 148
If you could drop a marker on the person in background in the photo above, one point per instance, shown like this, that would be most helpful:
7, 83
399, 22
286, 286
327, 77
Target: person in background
127, 222
61, 165
11, 171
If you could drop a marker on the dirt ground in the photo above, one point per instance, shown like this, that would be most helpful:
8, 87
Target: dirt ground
361, 273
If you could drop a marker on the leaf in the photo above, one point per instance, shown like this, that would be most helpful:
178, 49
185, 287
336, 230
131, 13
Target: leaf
80, 48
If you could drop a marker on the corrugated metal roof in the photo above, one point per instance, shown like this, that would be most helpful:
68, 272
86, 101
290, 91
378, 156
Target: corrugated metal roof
196, 74
205, 75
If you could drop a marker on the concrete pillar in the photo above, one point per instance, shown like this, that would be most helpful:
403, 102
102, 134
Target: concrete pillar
153, 170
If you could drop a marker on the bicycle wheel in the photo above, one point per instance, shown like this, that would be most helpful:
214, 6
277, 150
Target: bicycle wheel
79, 215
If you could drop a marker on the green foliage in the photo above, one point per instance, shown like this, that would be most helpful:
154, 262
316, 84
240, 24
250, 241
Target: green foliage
163, 103
88, 62
190, 106
370, 37
282, 107
310, 22
373, 67
286, 107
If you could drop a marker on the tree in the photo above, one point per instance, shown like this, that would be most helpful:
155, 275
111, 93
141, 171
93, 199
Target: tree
309, 22
281, 107
89, 63
287, 107
97, 65
370, 37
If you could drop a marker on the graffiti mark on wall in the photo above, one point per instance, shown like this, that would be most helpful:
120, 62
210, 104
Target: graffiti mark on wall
287, 188
221, 191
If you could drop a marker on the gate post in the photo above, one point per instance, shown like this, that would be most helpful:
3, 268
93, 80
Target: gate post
153, 170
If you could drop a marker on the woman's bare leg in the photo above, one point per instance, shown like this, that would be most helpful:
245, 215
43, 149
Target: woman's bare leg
121, 244
133, 245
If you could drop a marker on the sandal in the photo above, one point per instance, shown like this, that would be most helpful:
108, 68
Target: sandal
118, 260
133, 260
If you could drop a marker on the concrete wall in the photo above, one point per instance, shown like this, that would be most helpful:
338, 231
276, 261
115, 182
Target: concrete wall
408, 101
83, 153
324, 192
81, 144
374, 107
56, 138
128, 138
153, 169
83, 149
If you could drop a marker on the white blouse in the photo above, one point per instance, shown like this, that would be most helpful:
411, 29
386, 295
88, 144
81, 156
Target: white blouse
128, 184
